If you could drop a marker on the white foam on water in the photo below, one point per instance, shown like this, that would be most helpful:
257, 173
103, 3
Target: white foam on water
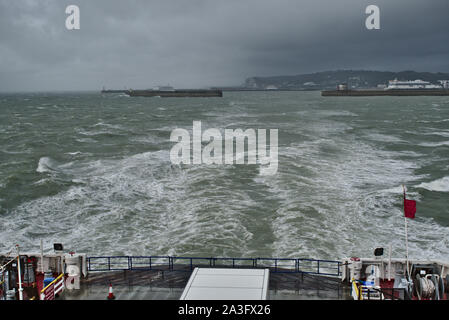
438, 133
45, 164
136, 205
338, 113
74, 153
85, 140
394, 190
99, 132
27, 151
440, 185
433, 121
335, 194
42, 181
434, 144
108, 125
347, 204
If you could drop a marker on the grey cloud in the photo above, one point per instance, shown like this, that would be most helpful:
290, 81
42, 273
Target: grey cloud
199, 43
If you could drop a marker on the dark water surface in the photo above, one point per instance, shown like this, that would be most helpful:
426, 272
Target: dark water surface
94, 173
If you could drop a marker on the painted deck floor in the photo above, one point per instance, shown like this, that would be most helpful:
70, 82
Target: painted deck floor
169, 285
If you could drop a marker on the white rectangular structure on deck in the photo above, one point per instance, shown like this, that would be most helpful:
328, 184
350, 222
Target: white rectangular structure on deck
227, 284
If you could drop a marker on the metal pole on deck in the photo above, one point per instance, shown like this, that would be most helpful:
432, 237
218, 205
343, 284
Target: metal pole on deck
19, 274
406, 247
389, 262
406, 238
42, 256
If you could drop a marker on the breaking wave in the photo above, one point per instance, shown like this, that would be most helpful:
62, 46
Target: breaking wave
440, 185
46, 164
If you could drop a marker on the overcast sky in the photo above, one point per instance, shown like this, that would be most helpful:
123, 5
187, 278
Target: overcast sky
199, 43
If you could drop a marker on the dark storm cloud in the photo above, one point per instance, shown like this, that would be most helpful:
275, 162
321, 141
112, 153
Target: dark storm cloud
192, 43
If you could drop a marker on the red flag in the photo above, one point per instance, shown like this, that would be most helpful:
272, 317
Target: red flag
409, 208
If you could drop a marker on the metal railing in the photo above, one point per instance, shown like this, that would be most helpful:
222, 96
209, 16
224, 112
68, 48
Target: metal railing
362, 292
385, 294
173, 263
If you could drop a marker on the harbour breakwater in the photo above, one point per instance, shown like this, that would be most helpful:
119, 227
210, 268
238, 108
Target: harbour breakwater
181, 93
365, 93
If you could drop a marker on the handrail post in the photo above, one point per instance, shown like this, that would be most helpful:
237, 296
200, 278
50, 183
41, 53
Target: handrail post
357, 288
318, 267
109, 263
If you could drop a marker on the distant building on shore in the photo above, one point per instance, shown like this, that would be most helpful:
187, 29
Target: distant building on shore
411, 84
444, 83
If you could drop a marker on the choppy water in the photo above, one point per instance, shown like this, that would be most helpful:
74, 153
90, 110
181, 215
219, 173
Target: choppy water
94, 173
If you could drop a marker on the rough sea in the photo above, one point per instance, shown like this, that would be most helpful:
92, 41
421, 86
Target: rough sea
93, 172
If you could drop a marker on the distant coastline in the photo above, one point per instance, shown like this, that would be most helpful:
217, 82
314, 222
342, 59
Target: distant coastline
328, 80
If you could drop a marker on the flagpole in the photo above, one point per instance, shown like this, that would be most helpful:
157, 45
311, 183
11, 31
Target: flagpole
406, 248
406, 238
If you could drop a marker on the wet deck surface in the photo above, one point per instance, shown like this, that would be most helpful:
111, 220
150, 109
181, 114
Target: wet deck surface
167, 285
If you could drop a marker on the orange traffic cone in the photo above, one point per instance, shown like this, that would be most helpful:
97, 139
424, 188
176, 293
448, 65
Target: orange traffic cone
111, 293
